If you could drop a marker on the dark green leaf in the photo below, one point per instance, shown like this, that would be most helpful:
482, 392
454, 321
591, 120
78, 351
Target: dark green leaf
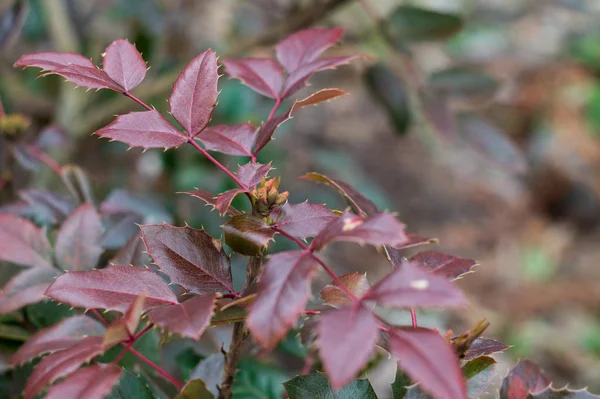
195, 389
464, 83
131, 386
13, 333
247, 234
316, 386
400, 384
410, 23
479, 374
256, 380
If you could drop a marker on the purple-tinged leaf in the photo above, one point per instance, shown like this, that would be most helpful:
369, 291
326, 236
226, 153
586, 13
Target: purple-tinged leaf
210, 370
410, 286
380, 229
484, 346
267, 129
189, 257
22, 242
195, 389
224, 200
562, 393
211, 200
146, 129
526, 377
122, 201
188, 319
437, 113
358, 202
443, 264
299, 78
122, 329
194, 93
112, 288
247, 234
61, 364
62, 335
53, 61
132, 254
346, 340
85, 76
263, 75
251, 174
304, 219
318, 97
415, 240
283, 291
302, 47
93, 382
124, 64
55, 207
355, 282
479, 374
429, 360
79, 241
26, 288
236, 140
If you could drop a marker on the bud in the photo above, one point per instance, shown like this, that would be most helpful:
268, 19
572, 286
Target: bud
13, 124
267, 197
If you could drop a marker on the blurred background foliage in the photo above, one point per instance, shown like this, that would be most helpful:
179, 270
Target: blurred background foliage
476, 120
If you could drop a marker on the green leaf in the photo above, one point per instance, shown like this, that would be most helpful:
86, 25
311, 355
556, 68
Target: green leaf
131, 386
292, 345
464, 83
247, 234
195, 389
479, 374
13, 333
256, 380
400, 384
47, 313
316, 386
410, 23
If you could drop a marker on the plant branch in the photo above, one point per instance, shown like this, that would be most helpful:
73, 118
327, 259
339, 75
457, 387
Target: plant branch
217, 163
274, 109
137, 100
45, 159
99, 317
413, 316
156, 368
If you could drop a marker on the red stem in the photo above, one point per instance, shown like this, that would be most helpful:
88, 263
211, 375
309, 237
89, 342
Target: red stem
274, 109
137, 100
126, 349
311, 312
144, 331
156, 368
217, 163
413, 316
45, 158
99, 317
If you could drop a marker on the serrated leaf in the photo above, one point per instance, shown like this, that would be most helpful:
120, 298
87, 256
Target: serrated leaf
247, 234
62, 363
320, 96
189, 257
258, 380
122, 329
562, 393
410, 286
60, 336
210, 370
223, 202
479, 374
124, 64
265, 132
188, 319
79, 241
251, 174
53, 60
194, 93
263, 75
236, 140
132, 253
26, 288
111, 288
526, 377
356, 200
210, 199
93, 382
464, 83
380, 229
346, 341
195, 389
484, 346
307, 45
304, 219
428, 359
131, 386
86, 76
283, 291
316, 386
22, 242
56, 208
410, 23
443, 264
146, 129
355, 282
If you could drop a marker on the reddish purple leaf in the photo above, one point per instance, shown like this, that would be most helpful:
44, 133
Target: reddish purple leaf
132, 254
86, 76
484, 346
189, 257
53, 61
188, 319
146, 129
194, 94
302, 47
299, 78
283, 291
358, 202
251, 174
22, 242
123, 328
526, 377
304, 219
211, 200
79, 241
93, 382
263, 75
61, 364
346, 340
410, 286
356, 283
124, 64
247, 234
112, 288
429, 360
26, 288
224, 200
323, 95
562, 393
443, 264
380, 229
267, 129
234, 140
62, 335
415, 240
56, 207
